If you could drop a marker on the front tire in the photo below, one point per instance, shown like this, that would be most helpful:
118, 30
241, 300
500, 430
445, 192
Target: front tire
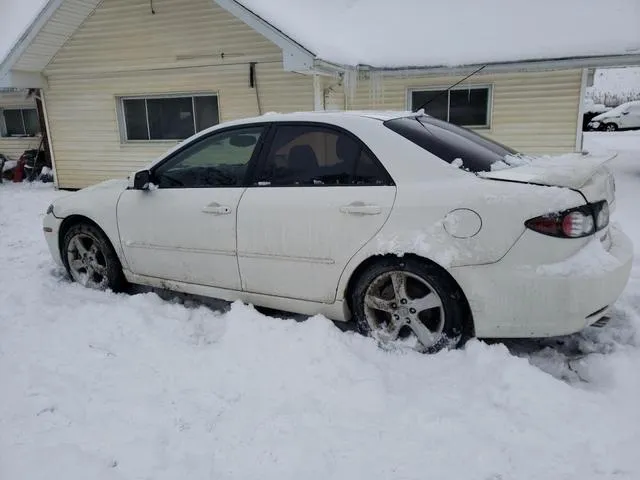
409, 302
90, 259
610, 127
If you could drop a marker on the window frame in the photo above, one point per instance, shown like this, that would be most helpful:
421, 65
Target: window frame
268, 142
248, 178
122, 122
3, 124
487, 86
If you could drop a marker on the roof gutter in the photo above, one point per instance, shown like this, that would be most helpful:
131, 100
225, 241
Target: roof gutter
633, 59
322, 67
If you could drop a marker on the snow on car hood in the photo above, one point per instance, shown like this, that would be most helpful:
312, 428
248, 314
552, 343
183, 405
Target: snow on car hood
602, 116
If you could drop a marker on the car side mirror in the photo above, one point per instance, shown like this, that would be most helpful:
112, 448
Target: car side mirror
141, 180
625, 113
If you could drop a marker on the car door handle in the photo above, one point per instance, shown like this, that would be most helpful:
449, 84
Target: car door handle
216, 209
361, 208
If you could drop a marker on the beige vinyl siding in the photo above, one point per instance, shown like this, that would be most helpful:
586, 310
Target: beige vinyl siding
124, 50
13, 147
534, 112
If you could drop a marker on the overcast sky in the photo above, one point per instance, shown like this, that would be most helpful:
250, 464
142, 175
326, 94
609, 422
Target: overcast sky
15, 16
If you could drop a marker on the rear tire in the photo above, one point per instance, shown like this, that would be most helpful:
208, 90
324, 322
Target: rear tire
90, 259
409, 302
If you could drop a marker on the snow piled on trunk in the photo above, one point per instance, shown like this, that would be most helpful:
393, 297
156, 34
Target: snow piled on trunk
106, 386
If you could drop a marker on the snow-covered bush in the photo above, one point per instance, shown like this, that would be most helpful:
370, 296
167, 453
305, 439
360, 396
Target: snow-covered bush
613, 99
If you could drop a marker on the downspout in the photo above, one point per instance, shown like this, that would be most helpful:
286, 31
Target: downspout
49, 139
318, 94
583, 88
253, 83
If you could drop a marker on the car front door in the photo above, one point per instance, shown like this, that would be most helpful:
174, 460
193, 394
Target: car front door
631, 118
319, 196
185, 229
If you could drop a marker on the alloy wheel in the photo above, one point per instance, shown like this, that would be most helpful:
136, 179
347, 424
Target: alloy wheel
87, 262
402, 306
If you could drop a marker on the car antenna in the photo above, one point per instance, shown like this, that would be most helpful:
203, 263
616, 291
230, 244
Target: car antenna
445, 91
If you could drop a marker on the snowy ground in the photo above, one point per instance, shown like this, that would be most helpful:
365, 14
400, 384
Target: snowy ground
103, 386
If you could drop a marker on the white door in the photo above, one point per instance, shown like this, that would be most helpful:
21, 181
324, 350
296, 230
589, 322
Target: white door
319, 197
631, 118
185, 229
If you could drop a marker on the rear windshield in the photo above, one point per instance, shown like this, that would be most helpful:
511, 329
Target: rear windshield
452, 143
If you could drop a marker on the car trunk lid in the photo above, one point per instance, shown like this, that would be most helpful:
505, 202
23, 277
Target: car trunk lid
586, 174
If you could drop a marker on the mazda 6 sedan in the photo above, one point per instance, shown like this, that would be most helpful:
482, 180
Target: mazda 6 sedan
420, 232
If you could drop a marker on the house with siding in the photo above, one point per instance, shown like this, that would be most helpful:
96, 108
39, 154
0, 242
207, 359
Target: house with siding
121, 81
19, 125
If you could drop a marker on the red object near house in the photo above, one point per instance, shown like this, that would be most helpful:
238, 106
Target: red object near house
18, 172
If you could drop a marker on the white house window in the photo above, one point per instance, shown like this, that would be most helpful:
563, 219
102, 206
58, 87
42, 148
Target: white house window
20, 122
167, 117
465, 106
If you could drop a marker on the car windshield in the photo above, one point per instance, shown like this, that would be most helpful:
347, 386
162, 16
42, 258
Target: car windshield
453, 144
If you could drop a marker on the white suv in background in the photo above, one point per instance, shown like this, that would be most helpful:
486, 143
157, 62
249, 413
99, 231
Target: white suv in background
623, 117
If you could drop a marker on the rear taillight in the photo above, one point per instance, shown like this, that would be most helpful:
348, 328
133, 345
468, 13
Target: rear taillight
601, 211
574, 223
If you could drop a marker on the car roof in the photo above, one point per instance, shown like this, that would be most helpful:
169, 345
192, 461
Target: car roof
323, 116
328, 116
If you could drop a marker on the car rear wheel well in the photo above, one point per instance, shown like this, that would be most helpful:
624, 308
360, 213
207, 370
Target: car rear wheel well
369, 262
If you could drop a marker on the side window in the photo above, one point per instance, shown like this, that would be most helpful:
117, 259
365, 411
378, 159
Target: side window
316, 155
219, 160
369, 172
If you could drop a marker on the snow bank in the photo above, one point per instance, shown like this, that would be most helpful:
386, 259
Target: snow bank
591, 107
456, 32
105, 386
616, 80
605, 143
614, 86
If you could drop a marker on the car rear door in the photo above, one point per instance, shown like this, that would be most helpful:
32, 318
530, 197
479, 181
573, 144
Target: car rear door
319, 196
185, 230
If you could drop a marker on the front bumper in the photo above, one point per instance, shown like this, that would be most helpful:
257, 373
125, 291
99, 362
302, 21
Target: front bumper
51, 226
514, 299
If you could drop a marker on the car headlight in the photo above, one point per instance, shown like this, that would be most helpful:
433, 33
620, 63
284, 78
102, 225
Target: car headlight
50, 209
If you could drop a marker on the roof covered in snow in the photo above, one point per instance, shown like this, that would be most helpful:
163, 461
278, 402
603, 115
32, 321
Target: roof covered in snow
403, 33
384, 33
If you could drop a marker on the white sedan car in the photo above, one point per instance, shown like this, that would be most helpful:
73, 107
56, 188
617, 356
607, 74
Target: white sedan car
419, 231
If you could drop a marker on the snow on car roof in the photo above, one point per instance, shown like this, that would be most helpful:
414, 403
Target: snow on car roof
313, 115
406, 33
